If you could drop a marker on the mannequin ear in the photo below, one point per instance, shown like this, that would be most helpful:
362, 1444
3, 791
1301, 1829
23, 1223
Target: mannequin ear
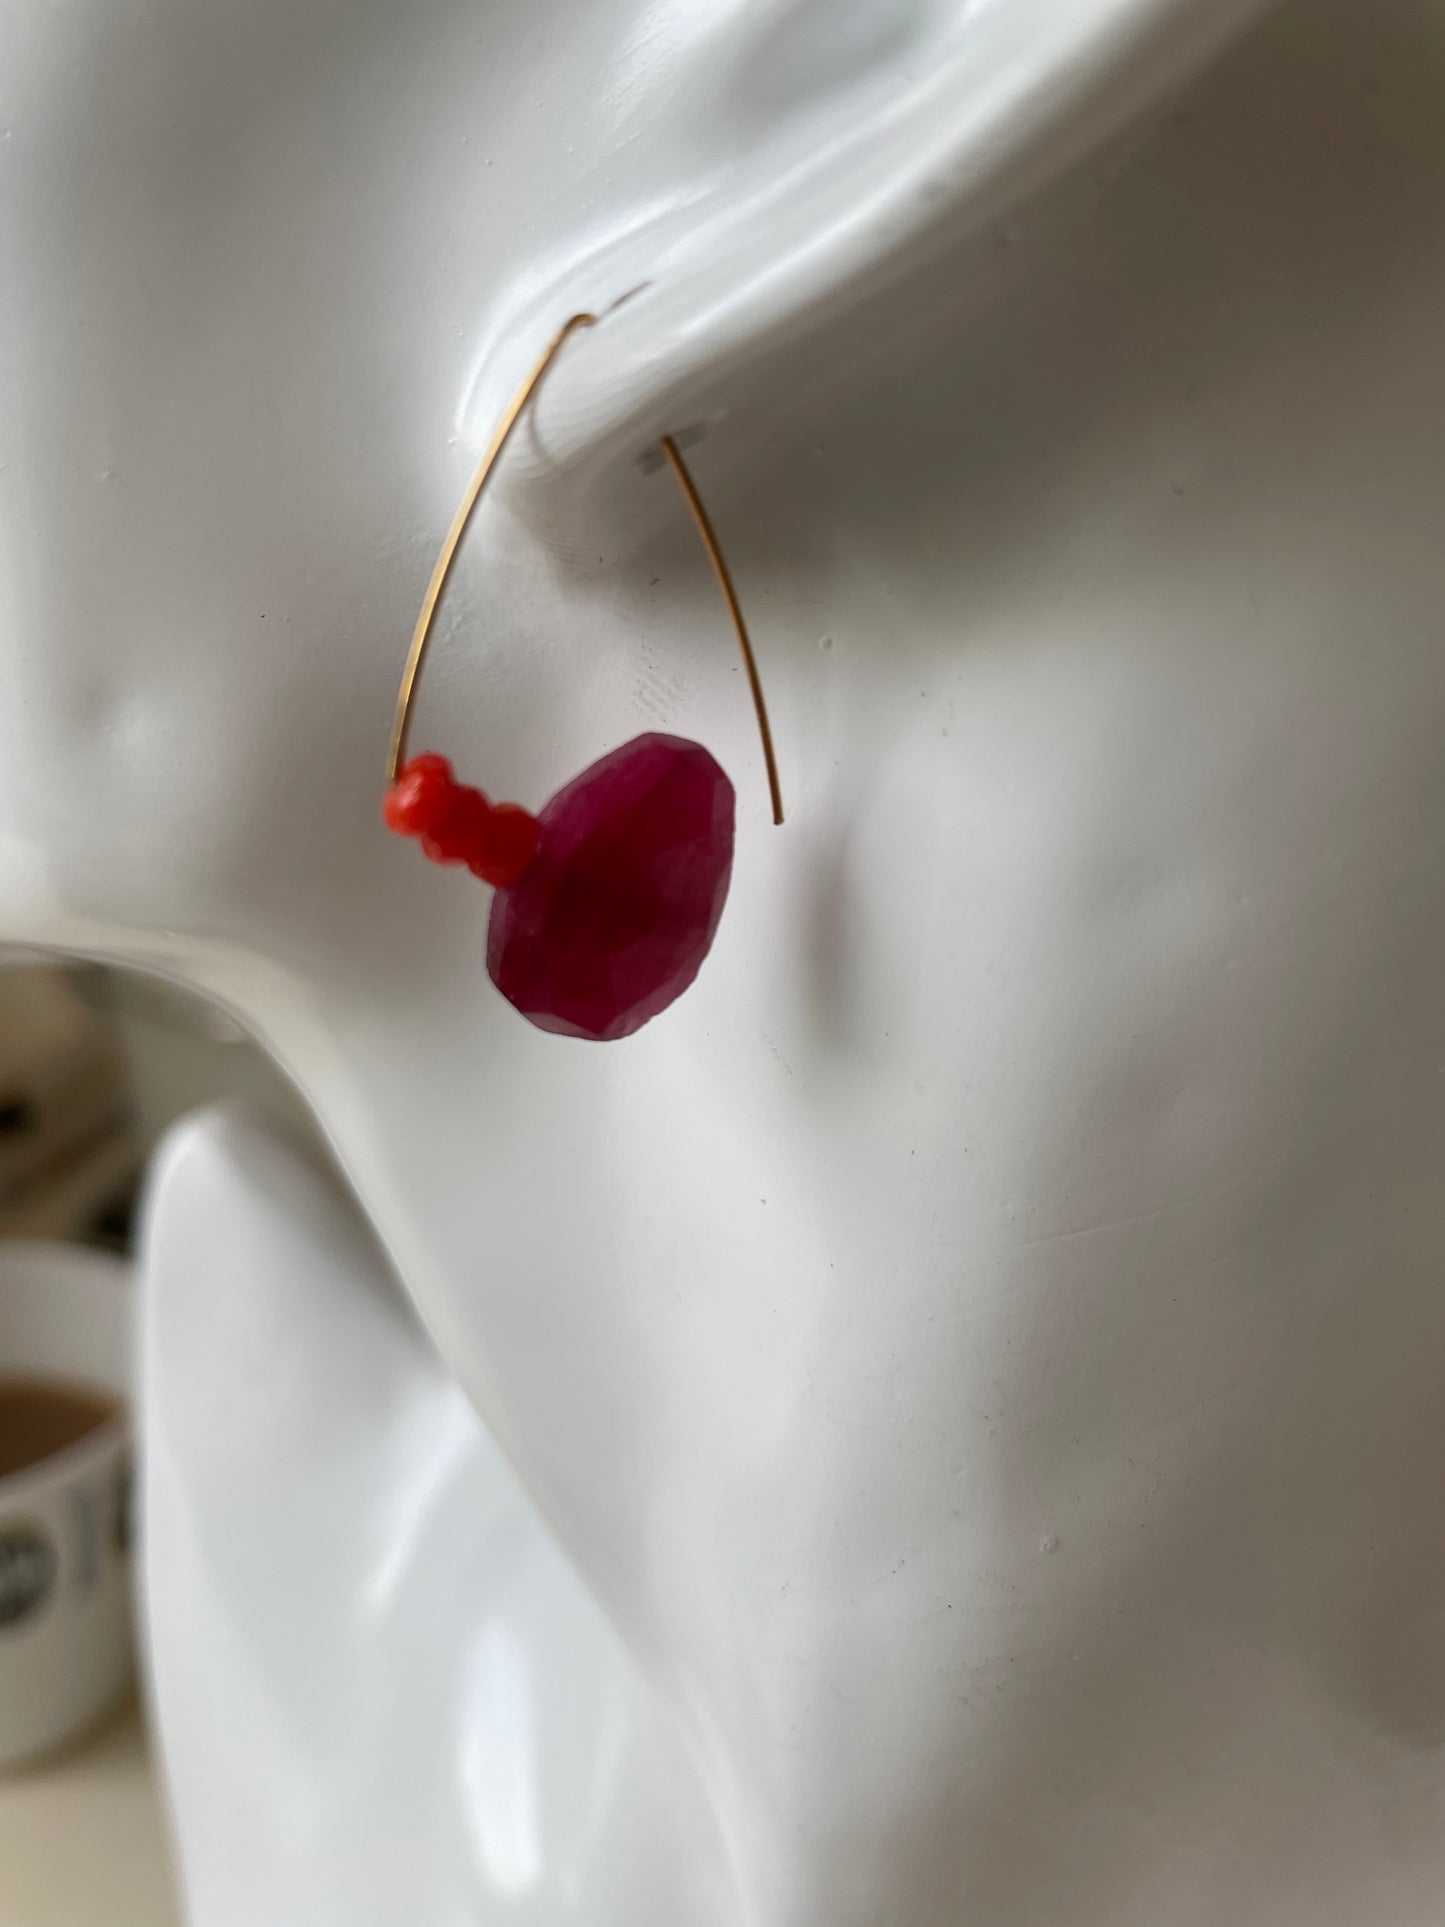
828, 150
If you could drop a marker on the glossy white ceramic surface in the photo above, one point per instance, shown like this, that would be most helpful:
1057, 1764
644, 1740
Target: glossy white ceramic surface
380, 1691
981, 1349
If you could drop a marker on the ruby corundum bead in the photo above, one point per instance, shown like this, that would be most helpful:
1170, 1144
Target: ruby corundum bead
619, 906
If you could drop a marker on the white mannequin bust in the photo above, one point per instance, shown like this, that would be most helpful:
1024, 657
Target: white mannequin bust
381, 1692
981, 1348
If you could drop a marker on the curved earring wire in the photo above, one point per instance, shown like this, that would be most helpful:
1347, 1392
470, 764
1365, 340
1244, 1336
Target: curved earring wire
725, 583
431, 601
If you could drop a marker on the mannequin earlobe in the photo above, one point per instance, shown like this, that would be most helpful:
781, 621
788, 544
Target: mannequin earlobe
830, 160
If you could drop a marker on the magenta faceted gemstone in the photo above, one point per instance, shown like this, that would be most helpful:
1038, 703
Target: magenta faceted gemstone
622, 901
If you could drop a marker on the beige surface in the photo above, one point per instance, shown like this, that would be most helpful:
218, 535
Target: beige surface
82, 1841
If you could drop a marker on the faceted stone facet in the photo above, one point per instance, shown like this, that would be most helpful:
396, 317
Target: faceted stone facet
621, 903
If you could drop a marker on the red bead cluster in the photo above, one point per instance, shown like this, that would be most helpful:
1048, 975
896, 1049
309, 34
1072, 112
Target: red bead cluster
457, 824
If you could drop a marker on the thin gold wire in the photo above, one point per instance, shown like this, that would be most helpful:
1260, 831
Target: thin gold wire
431, 601
725, 583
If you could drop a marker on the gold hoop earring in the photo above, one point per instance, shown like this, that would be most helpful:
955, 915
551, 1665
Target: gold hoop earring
607, 901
